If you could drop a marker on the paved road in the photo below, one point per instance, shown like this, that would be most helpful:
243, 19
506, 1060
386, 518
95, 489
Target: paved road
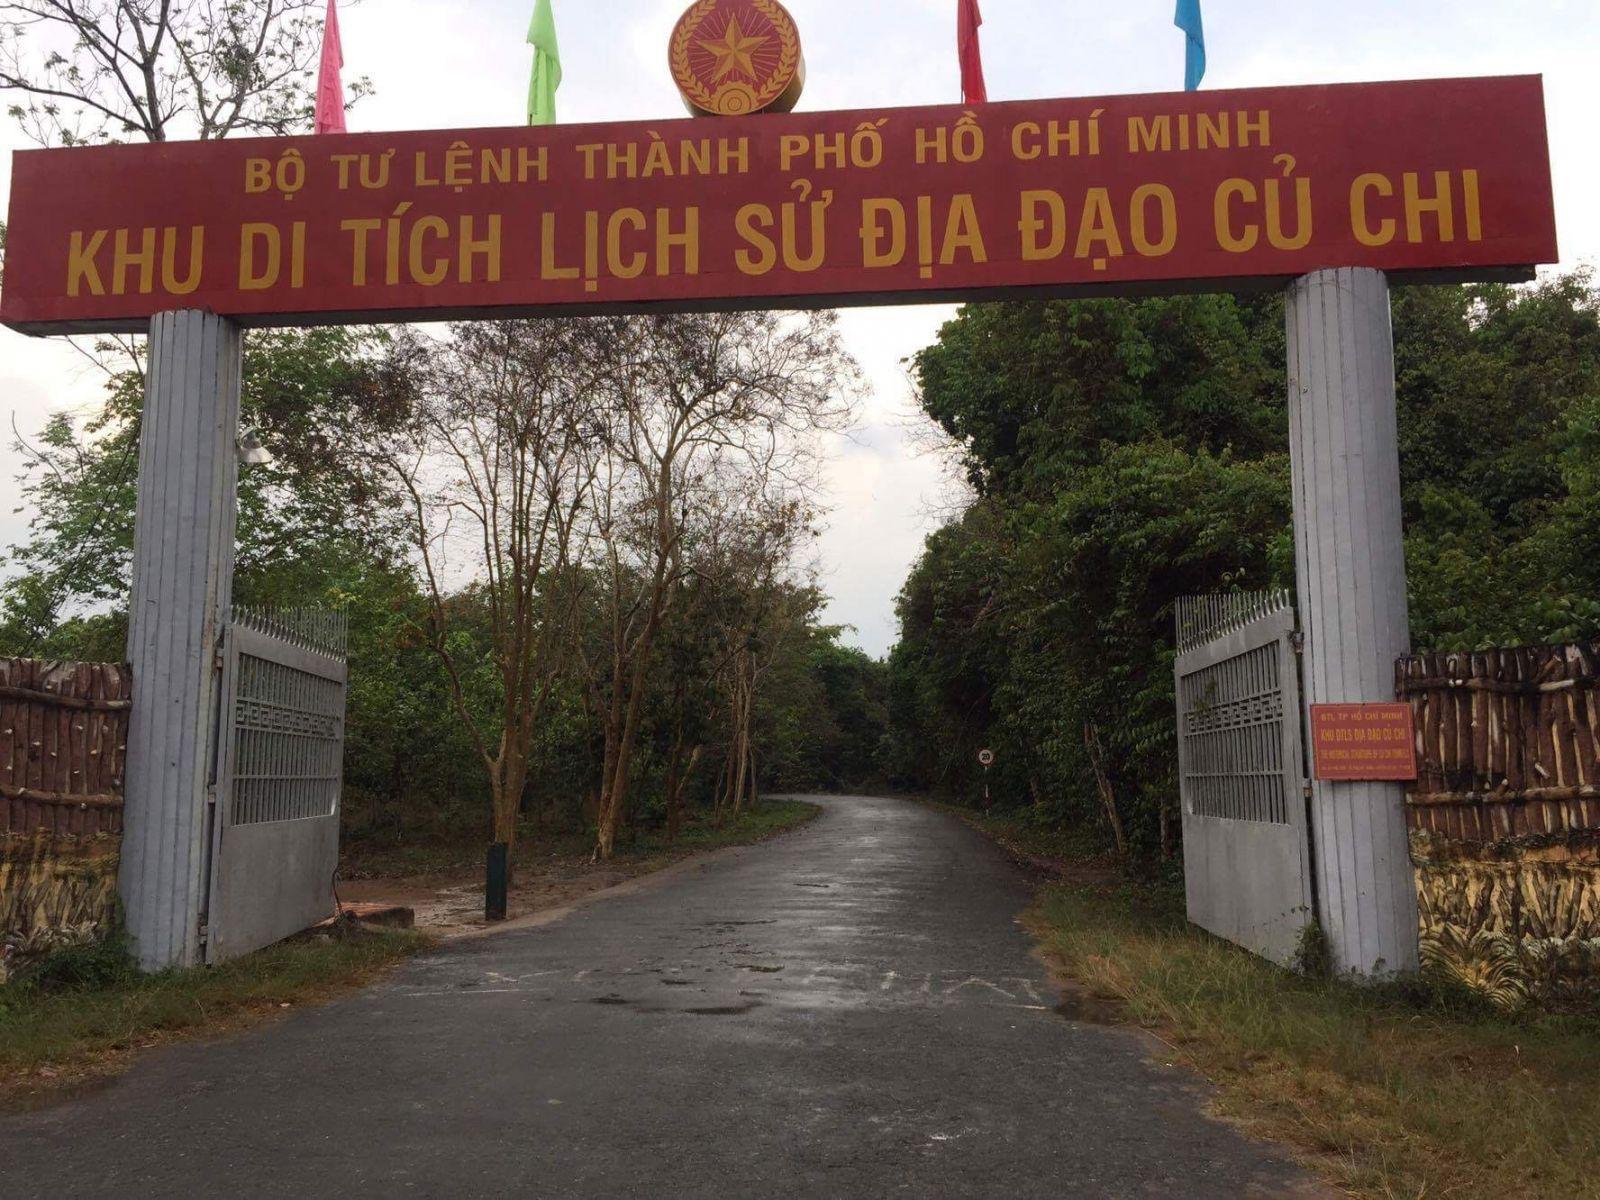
849, 1011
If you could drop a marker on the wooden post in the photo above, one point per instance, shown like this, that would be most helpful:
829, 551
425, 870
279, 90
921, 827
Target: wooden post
1351, 571
182, 587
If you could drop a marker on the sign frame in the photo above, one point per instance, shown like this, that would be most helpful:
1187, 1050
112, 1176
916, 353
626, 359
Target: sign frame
1343, 749
1237, 191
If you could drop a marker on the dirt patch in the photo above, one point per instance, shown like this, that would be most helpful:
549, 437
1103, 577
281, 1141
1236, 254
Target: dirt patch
449, 904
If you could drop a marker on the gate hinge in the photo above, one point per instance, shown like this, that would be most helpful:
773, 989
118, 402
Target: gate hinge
1305, 787
1297, 640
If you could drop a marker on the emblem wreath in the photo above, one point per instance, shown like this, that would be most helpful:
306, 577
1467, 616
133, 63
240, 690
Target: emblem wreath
735, 99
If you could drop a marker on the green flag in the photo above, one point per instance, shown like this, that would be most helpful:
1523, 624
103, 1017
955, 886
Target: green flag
546, 66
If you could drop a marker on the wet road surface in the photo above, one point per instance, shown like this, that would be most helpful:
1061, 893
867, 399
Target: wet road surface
848, 1011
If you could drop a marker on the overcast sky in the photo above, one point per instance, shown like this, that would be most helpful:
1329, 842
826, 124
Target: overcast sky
448, 63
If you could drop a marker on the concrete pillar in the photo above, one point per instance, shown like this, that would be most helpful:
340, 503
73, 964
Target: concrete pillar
1351, 573
182, 587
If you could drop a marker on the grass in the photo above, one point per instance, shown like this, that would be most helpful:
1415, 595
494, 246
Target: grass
1404, 1091
89, 1012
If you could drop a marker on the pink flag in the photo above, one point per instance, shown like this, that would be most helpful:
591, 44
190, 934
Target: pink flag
973, 89
330, 88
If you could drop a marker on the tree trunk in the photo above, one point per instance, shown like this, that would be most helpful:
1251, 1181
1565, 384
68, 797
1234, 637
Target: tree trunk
507, 783
615, 794
741, 742
1108, 796
675, 777
719, 791
675, 791
617, 791
755, 786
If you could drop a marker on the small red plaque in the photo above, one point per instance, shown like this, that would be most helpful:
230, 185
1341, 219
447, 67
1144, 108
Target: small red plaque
1368, 742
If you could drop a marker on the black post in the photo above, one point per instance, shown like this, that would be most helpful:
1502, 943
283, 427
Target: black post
497, 883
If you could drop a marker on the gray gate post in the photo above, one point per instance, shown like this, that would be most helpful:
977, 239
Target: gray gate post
182, 586
1351, 571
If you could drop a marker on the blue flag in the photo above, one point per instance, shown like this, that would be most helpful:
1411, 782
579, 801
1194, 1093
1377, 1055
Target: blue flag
1188, 20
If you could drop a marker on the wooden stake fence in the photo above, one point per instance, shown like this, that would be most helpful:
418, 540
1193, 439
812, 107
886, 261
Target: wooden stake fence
1505, 820
63, 740
1508, 741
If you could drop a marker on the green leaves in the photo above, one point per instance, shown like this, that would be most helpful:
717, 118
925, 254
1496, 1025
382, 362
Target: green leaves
1032, 391
308, 517
1129, 453
1499, 461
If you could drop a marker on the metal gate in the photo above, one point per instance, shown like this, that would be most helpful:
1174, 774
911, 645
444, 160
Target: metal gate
1241, 764
279, 768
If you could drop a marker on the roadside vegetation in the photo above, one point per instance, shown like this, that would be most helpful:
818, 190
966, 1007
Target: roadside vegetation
1414, 1090
84, 1012
1121, 454
662, 666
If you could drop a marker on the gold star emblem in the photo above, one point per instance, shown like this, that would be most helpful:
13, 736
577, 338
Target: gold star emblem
734, 52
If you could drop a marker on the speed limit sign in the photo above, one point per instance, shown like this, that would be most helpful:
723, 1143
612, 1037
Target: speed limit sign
986, 758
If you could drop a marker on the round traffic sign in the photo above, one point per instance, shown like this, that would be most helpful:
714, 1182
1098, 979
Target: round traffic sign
986, 757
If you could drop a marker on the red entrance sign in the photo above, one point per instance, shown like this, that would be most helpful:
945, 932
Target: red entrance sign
1363, 742
1447, 179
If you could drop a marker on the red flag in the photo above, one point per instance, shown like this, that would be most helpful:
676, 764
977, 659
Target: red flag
330, 88
973, 90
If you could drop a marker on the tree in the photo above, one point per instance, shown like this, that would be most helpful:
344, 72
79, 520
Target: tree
685, 403
1497, 390
844, 738
1127, 453
1033, 391
312, 530
755, 612
85, 71
494, 468
302, 391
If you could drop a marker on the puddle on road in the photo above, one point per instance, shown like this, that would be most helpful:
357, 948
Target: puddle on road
708, 1010
722, 1010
